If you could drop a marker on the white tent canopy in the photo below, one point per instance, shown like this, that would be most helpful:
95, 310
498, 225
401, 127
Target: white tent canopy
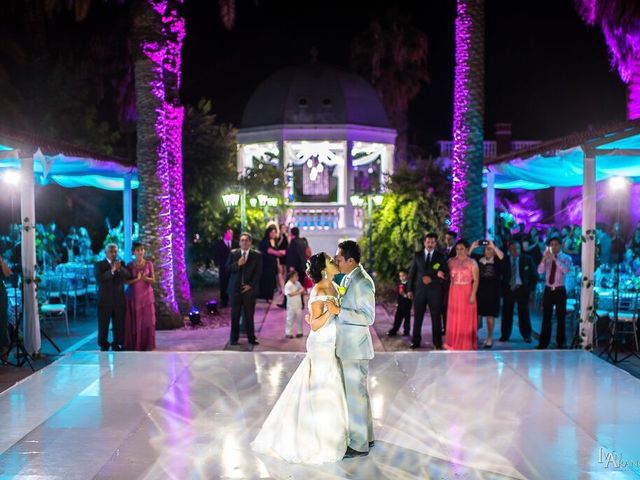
580, 159
42, 161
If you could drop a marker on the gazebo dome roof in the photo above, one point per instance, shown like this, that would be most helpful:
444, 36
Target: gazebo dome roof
314, 93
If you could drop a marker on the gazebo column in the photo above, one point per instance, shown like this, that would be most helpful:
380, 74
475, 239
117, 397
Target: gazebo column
30, 319
127, 215
588, 249
490, 213
347, 188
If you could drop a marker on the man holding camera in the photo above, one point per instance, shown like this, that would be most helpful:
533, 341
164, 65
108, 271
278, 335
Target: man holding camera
554, 265
111, 276
519, 280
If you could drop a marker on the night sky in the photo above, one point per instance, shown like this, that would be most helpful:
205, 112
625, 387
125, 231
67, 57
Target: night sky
546, 72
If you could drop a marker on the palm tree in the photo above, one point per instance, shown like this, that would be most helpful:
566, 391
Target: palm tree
468, 116
620, 23
393, 56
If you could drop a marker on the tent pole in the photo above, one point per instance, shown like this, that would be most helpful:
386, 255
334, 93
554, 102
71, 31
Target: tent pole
490, 213
127, 215
588, 248
31, 322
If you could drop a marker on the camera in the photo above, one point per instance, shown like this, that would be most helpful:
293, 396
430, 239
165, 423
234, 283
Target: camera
484, 243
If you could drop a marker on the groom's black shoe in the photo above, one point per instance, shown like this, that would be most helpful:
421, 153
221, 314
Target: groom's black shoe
350, 453
371, 444
415, 345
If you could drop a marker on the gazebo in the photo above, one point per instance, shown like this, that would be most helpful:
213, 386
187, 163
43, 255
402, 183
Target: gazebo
328, 130
43, 160
582, 159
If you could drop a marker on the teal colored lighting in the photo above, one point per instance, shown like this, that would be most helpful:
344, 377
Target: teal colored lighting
4, 148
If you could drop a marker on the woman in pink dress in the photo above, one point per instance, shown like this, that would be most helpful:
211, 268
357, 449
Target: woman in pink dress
462, 317
140, 317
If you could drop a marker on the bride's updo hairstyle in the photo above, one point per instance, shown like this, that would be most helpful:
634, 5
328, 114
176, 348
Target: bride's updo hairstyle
316, 265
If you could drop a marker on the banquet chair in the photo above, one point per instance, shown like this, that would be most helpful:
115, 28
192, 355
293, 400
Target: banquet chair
626, 323
54, 305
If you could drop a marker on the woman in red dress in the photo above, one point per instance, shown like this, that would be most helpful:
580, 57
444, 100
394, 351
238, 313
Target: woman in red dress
140, 316
462, 317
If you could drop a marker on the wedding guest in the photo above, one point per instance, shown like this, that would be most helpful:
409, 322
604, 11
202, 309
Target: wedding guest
140, 316
294, 291
403, 307
270, 256
282, 243
296, 258
84, 243
221, 251
307, 282
554, 265
427, 274
245, 267
462, 332
603, 240
5, 272
449, 251
572, 243
519, 280
490, 268
111, 277
634, 246
533, 245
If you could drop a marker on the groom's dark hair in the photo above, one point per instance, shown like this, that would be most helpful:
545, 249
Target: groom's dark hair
350, 249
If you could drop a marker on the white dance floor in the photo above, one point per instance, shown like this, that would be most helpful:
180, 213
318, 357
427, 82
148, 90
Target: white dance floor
528, 414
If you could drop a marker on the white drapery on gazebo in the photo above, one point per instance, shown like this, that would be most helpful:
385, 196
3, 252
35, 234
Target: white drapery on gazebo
581, 159
45, 161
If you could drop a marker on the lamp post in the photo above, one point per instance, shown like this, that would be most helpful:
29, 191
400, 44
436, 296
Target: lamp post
233, 199
371, 200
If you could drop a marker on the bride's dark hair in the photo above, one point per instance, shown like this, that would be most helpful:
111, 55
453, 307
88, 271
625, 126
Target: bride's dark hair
316, 265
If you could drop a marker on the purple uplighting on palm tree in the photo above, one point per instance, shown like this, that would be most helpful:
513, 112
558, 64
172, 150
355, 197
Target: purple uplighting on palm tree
620, 24
468, 113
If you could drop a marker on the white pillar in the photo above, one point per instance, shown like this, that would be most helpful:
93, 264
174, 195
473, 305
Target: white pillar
490, 213
30, 320
346, 187
127, 216
588, 249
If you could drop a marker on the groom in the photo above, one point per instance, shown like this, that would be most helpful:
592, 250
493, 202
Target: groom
354, 347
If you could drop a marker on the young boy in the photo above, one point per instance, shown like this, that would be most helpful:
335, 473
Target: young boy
294, 291
403, 307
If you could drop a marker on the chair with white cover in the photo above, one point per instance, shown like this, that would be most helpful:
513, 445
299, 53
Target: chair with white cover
54, 306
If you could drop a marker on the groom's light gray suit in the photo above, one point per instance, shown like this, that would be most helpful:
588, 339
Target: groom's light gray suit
354, 349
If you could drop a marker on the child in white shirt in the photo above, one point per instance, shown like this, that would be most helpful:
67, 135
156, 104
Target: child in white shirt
294, 291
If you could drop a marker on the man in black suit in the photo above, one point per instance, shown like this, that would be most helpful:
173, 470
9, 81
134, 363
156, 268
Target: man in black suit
449, 251
427, 274
111, 277
245, 268
221, 251
519, 280
296, 258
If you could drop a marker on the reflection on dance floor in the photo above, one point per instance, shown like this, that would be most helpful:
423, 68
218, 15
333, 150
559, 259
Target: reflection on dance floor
553, 414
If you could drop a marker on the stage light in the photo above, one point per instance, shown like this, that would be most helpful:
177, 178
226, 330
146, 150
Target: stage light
194, 316
618, 183
11, 177
212, 307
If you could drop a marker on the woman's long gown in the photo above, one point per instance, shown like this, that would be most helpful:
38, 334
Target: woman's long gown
140, 316
308, 423
462, 316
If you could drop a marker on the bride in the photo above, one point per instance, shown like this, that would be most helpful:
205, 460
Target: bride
308, 423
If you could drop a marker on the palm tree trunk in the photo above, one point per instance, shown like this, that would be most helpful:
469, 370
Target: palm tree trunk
633, 92
468, 117
154, 206
400, 121
174, 34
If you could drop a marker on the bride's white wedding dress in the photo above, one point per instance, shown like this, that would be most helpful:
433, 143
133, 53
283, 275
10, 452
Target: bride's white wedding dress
308, 423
